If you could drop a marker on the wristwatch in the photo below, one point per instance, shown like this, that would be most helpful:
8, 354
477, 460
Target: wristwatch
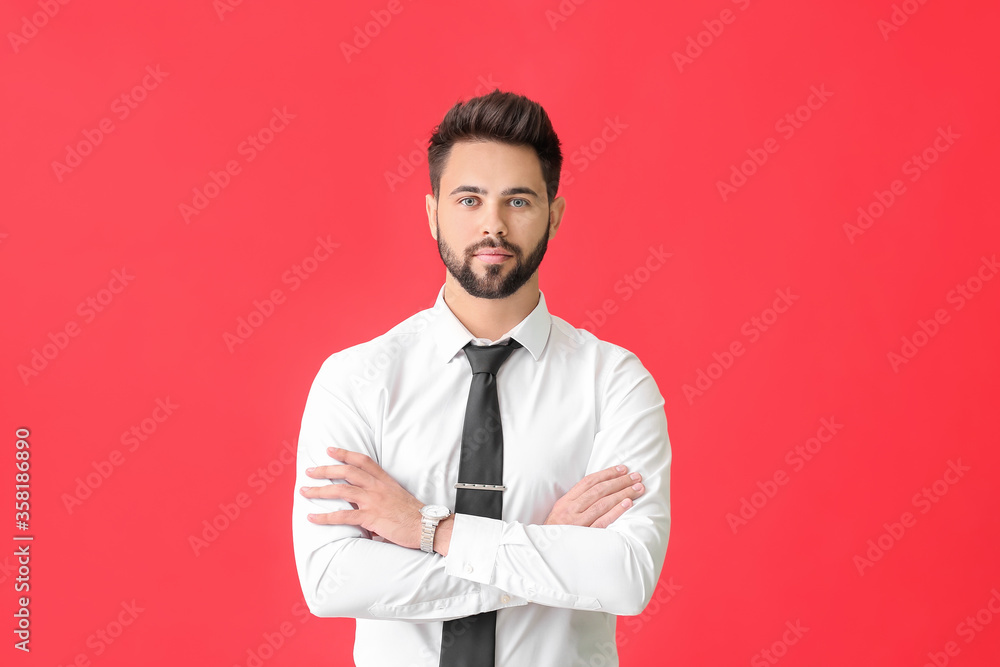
432, 515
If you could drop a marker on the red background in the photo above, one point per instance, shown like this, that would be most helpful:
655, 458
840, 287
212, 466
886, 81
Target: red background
656, 183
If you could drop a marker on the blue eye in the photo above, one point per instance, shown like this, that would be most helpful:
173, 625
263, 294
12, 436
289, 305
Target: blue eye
472, 199
524, 202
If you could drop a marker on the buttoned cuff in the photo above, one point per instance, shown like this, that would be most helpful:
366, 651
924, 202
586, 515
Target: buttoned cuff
472, 553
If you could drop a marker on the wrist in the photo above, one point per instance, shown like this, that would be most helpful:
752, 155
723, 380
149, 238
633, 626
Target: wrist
442, 536
431, 517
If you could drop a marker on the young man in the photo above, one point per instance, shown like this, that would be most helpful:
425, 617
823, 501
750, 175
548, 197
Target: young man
468, 515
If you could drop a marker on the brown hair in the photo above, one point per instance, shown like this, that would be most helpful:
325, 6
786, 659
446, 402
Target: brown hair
505, 117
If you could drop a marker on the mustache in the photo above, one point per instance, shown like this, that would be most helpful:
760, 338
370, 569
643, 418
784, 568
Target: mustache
512, 249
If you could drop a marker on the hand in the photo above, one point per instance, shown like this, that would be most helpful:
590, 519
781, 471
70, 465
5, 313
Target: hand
597, 499
383, 506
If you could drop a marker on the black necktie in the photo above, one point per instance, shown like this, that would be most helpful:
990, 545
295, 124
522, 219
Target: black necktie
471, 641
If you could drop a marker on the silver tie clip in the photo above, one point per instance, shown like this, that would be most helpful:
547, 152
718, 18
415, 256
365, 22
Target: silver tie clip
486, 487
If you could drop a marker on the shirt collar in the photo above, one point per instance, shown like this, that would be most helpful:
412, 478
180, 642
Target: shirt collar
450, 335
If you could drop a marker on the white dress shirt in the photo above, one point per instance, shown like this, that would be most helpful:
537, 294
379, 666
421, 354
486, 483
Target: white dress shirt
570, 405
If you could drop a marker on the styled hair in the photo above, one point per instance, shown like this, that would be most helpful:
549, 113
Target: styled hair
508, 118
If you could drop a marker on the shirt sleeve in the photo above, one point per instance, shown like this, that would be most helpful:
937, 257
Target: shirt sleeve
613, 569
342, 570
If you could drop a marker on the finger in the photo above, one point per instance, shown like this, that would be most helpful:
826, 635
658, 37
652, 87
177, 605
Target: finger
608, 503
595, 478
348, 492
614, 513
348, 473
356, 459
338, 518
604, 489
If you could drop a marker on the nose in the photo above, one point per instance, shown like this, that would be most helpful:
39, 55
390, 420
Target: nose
493, 223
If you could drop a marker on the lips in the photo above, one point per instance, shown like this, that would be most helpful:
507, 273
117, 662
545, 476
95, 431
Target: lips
493, 255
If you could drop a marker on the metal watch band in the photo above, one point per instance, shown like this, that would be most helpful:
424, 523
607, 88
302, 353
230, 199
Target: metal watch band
428, 528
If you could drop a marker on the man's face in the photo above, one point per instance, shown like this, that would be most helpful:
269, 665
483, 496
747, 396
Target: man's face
492, 219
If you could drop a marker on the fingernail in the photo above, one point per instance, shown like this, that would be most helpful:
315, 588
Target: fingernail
310, 516
637, 487
625, 503
620, 468
302, 489
310, 469
636, 476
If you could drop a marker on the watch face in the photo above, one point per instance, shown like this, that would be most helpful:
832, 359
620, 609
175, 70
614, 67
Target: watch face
435, 511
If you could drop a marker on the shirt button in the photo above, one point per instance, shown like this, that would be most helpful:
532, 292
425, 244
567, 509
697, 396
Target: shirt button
468, 569
505, 599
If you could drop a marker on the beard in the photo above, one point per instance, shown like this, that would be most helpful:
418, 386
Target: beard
493, 284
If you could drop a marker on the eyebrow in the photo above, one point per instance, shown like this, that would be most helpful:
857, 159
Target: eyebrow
475, 189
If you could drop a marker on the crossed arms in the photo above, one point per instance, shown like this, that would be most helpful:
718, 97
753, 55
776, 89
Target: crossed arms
592, 552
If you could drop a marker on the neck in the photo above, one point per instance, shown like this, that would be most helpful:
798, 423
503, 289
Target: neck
491, 318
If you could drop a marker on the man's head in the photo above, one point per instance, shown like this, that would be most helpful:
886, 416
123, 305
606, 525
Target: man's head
494, 165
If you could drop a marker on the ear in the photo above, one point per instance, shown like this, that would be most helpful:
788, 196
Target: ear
432, 215
556, 210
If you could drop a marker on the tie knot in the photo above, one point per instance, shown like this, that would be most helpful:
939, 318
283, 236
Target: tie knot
489, 358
